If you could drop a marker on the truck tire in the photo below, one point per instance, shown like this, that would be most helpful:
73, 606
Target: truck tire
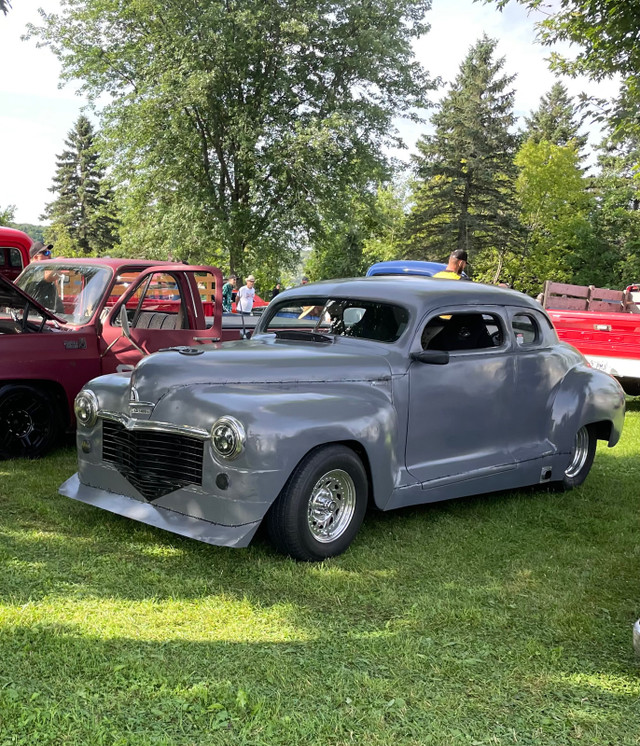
320, 509
29, 422
582, 455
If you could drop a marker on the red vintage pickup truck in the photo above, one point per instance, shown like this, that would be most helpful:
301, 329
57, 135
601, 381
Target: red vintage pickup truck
65, 321
14, 252
603, 324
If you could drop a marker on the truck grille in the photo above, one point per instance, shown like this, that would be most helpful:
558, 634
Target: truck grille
155, 463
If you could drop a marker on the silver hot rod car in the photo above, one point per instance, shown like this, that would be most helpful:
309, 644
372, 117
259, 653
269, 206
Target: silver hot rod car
380, 391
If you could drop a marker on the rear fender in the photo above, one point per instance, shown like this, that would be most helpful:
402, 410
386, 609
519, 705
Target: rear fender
584, 397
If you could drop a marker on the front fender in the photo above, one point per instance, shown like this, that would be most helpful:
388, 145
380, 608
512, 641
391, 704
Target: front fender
283, 423
586, 396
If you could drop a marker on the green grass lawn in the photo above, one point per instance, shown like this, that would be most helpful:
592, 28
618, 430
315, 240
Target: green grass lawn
502, 619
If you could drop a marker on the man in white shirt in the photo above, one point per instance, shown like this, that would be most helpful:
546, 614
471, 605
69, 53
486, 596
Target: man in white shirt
245, 296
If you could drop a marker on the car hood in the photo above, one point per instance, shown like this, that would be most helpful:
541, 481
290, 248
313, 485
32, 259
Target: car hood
255, 362
11, 296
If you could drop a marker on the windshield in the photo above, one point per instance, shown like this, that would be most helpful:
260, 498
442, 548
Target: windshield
341, 317
70, 292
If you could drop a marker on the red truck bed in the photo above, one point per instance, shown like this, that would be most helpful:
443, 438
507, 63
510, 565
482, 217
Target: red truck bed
603, 324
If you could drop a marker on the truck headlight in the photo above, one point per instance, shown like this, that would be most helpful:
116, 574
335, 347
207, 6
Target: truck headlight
86, 408
228, 437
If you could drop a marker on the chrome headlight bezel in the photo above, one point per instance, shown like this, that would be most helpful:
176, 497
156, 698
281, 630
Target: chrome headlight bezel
86, 408
228, 437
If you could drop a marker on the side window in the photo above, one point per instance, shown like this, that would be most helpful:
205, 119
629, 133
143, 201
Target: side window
462, 331
3, 259
526, 329
157, 304
15, 258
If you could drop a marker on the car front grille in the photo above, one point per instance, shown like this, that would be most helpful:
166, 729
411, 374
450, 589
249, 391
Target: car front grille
154, 462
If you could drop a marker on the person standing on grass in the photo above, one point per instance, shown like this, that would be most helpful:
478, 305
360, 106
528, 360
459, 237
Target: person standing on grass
227, 294
246, 296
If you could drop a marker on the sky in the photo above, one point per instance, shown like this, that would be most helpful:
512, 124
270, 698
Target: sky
36, 115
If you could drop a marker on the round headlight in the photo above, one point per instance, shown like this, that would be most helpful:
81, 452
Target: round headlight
227, 437
86, 408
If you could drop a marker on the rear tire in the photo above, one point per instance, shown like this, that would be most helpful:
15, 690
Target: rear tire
29, 422
582, 455
320, 509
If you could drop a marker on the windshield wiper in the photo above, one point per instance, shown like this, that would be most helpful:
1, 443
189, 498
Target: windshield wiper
301, 336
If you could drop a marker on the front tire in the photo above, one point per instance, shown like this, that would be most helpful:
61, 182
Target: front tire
29, 422
320, 509
582, 455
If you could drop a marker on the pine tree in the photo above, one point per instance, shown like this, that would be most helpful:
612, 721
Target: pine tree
465, 191
555, 119
83, 214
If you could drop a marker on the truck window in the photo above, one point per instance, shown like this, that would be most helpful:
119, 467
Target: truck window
15, 258
157, 303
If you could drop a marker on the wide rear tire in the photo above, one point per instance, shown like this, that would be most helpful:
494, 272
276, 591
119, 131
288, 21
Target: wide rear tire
321, 508
29, 422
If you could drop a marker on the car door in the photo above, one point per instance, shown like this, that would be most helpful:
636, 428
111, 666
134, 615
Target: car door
539, 368
460, 413
161, 313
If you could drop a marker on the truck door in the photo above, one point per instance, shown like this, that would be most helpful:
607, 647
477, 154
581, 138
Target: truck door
162, 311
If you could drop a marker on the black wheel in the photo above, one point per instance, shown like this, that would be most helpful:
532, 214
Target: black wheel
29, 422
582, 455
320, 509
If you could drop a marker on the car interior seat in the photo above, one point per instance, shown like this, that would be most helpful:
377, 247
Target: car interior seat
463, 331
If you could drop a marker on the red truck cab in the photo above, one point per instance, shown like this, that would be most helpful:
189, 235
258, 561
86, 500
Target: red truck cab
65, 321
14, 252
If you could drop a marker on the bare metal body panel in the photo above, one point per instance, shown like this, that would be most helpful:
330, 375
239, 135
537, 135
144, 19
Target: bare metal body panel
491, 419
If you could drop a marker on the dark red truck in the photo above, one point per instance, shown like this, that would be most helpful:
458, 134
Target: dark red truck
66, 321
14, 252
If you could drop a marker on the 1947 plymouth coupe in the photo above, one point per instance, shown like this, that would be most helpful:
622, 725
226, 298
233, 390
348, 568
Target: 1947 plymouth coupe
378, 391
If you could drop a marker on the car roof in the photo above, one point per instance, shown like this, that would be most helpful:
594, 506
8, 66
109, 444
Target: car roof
414, 290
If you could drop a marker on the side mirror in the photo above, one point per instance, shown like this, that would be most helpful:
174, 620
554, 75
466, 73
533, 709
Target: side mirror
124, 321
431, 357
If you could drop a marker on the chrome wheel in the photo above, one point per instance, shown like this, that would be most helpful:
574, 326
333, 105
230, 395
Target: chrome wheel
580, 453
321, 507
332, 504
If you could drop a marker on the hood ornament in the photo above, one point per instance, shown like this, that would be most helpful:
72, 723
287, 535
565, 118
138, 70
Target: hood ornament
137, 408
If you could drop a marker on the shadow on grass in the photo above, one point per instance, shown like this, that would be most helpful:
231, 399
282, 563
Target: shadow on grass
84, 688
526, 552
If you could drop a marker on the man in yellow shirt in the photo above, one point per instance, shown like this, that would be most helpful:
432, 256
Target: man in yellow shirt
455, 267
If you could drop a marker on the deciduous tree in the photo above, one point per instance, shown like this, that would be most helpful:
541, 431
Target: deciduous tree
617, 219
555, 210
361, 232
606, 35
234, 123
